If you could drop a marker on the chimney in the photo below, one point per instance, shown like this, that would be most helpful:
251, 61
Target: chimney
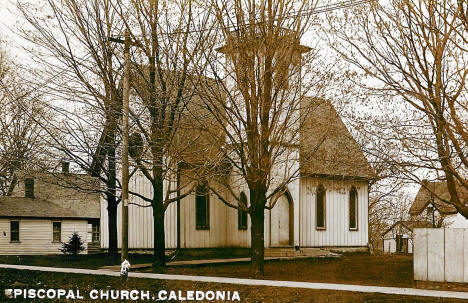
29, 188
65, 167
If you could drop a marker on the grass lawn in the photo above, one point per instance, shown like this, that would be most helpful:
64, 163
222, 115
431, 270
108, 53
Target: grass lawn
356, 268
26, 279
94, 261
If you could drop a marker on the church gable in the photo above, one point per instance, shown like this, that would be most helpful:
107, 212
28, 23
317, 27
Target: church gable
327, 147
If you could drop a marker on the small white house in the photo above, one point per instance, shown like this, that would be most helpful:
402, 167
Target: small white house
398, 238
45, 209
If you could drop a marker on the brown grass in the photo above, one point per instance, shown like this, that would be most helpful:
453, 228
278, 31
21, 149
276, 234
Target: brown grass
358, 268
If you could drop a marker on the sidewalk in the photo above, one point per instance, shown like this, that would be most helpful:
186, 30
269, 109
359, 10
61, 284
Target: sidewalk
201, 262
253, 282
181, 263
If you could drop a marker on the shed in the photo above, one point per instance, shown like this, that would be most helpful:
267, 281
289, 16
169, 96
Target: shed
398, 238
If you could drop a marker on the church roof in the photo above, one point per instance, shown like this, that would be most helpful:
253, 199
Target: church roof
327, 147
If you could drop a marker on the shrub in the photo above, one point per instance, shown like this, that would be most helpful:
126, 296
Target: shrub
74, 245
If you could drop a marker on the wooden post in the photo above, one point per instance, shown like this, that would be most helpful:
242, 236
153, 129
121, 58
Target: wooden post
126, 97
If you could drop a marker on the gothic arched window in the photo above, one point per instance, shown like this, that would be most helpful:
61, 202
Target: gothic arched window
202, 207
320, 207
353, 209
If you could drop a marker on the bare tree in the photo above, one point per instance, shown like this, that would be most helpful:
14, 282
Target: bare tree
258, 103
416, 53
164, 52
81, 75
22, 140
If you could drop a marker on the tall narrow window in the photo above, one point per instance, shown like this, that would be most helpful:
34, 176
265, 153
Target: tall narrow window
321, 207
353, 209
242, 214
14, 231
57, 232
202, 207
95, 229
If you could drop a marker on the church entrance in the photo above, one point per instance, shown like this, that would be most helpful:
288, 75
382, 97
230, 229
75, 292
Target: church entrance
280, 226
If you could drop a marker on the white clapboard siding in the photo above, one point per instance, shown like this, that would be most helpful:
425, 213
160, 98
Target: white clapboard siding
337, 231
36, 236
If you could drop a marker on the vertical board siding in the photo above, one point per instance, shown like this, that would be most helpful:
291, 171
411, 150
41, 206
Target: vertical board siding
140, 218
337, 231
36, 236
435, 255
453, 255
224, 232
420, 254
441, 255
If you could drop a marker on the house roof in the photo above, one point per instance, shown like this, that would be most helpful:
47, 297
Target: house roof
430, 193
409, 225
327, 147
33, 207
77, 194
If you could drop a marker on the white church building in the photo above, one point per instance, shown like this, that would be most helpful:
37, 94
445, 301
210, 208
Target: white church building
326, 206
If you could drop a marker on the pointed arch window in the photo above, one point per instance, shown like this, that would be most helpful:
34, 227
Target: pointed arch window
242, 214
202, 207
320, 207
353, 209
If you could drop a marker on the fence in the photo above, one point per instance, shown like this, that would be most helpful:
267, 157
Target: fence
441, 255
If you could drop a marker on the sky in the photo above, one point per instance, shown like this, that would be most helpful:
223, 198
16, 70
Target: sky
9, 20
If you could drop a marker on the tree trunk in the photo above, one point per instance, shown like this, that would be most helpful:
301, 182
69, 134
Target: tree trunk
112, 223
257, 215
444, 159
112, 202
159, 250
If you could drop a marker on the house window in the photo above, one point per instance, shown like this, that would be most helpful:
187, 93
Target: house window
14, 231
95, 229
353, 209
202, 210
57, 232
242, 214
320, 207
